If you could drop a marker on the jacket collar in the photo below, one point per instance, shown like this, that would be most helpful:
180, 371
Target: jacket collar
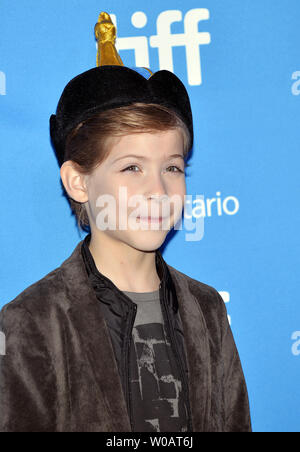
100, 280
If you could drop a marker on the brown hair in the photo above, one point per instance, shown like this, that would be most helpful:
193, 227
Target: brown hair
87, 144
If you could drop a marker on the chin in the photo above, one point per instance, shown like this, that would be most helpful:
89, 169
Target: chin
147, 240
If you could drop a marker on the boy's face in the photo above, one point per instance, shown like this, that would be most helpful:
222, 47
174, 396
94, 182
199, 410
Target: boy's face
120, 189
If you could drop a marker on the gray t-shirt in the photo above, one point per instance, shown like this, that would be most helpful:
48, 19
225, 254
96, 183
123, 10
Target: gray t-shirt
156, 388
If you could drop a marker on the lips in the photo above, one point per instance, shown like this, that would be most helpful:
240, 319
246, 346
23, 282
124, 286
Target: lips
151, 219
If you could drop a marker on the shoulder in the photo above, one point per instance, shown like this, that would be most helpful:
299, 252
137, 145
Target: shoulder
205, 291
207, 296
210, 303
47, 293
34, 299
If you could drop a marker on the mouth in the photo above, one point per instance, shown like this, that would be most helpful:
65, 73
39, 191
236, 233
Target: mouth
151, 219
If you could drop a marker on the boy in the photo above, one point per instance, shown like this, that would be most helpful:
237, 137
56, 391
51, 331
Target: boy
115, 339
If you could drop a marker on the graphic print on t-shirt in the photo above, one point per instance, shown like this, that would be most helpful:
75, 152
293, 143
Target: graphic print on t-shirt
156, 388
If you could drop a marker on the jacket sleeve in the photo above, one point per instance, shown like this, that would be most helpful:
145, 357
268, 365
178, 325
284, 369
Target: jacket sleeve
26, 377
237, 410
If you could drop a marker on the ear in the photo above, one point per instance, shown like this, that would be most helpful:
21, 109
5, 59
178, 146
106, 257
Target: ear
74, 181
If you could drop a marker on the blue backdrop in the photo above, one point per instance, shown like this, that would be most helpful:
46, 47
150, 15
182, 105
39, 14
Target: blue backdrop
240, 63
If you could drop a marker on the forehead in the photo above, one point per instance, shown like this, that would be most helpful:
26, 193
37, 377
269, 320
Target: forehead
147, 145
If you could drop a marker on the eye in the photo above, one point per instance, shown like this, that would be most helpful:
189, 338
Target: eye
179, 170
128, 168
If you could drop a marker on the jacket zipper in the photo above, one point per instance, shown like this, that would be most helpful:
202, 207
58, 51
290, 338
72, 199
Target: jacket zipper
127, 359
183, 376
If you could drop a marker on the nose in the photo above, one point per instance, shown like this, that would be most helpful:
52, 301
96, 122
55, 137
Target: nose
156, 194
155, 187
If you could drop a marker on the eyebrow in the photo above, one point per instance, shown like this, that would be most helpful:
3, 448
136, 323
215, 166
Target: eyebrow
141, 157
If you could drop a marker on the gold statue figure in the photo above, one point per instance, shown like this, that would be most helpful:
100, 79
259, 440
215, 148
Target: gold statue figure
105, 32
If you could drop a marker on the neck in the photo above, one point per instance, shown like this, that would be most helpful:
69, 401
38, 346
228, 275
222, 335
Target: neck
130, 269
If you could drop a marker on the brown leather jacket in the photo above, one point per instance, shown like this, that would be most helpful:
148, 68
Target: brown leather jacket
60, 373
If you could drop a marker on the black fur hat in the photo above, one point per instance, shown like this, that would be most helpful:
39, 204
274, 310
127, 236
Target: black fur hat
114, 85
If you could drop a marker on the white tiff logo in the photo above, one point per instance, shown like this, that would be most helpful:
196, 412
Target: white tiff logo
2, 343
165, 40
2, 84
296, 344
